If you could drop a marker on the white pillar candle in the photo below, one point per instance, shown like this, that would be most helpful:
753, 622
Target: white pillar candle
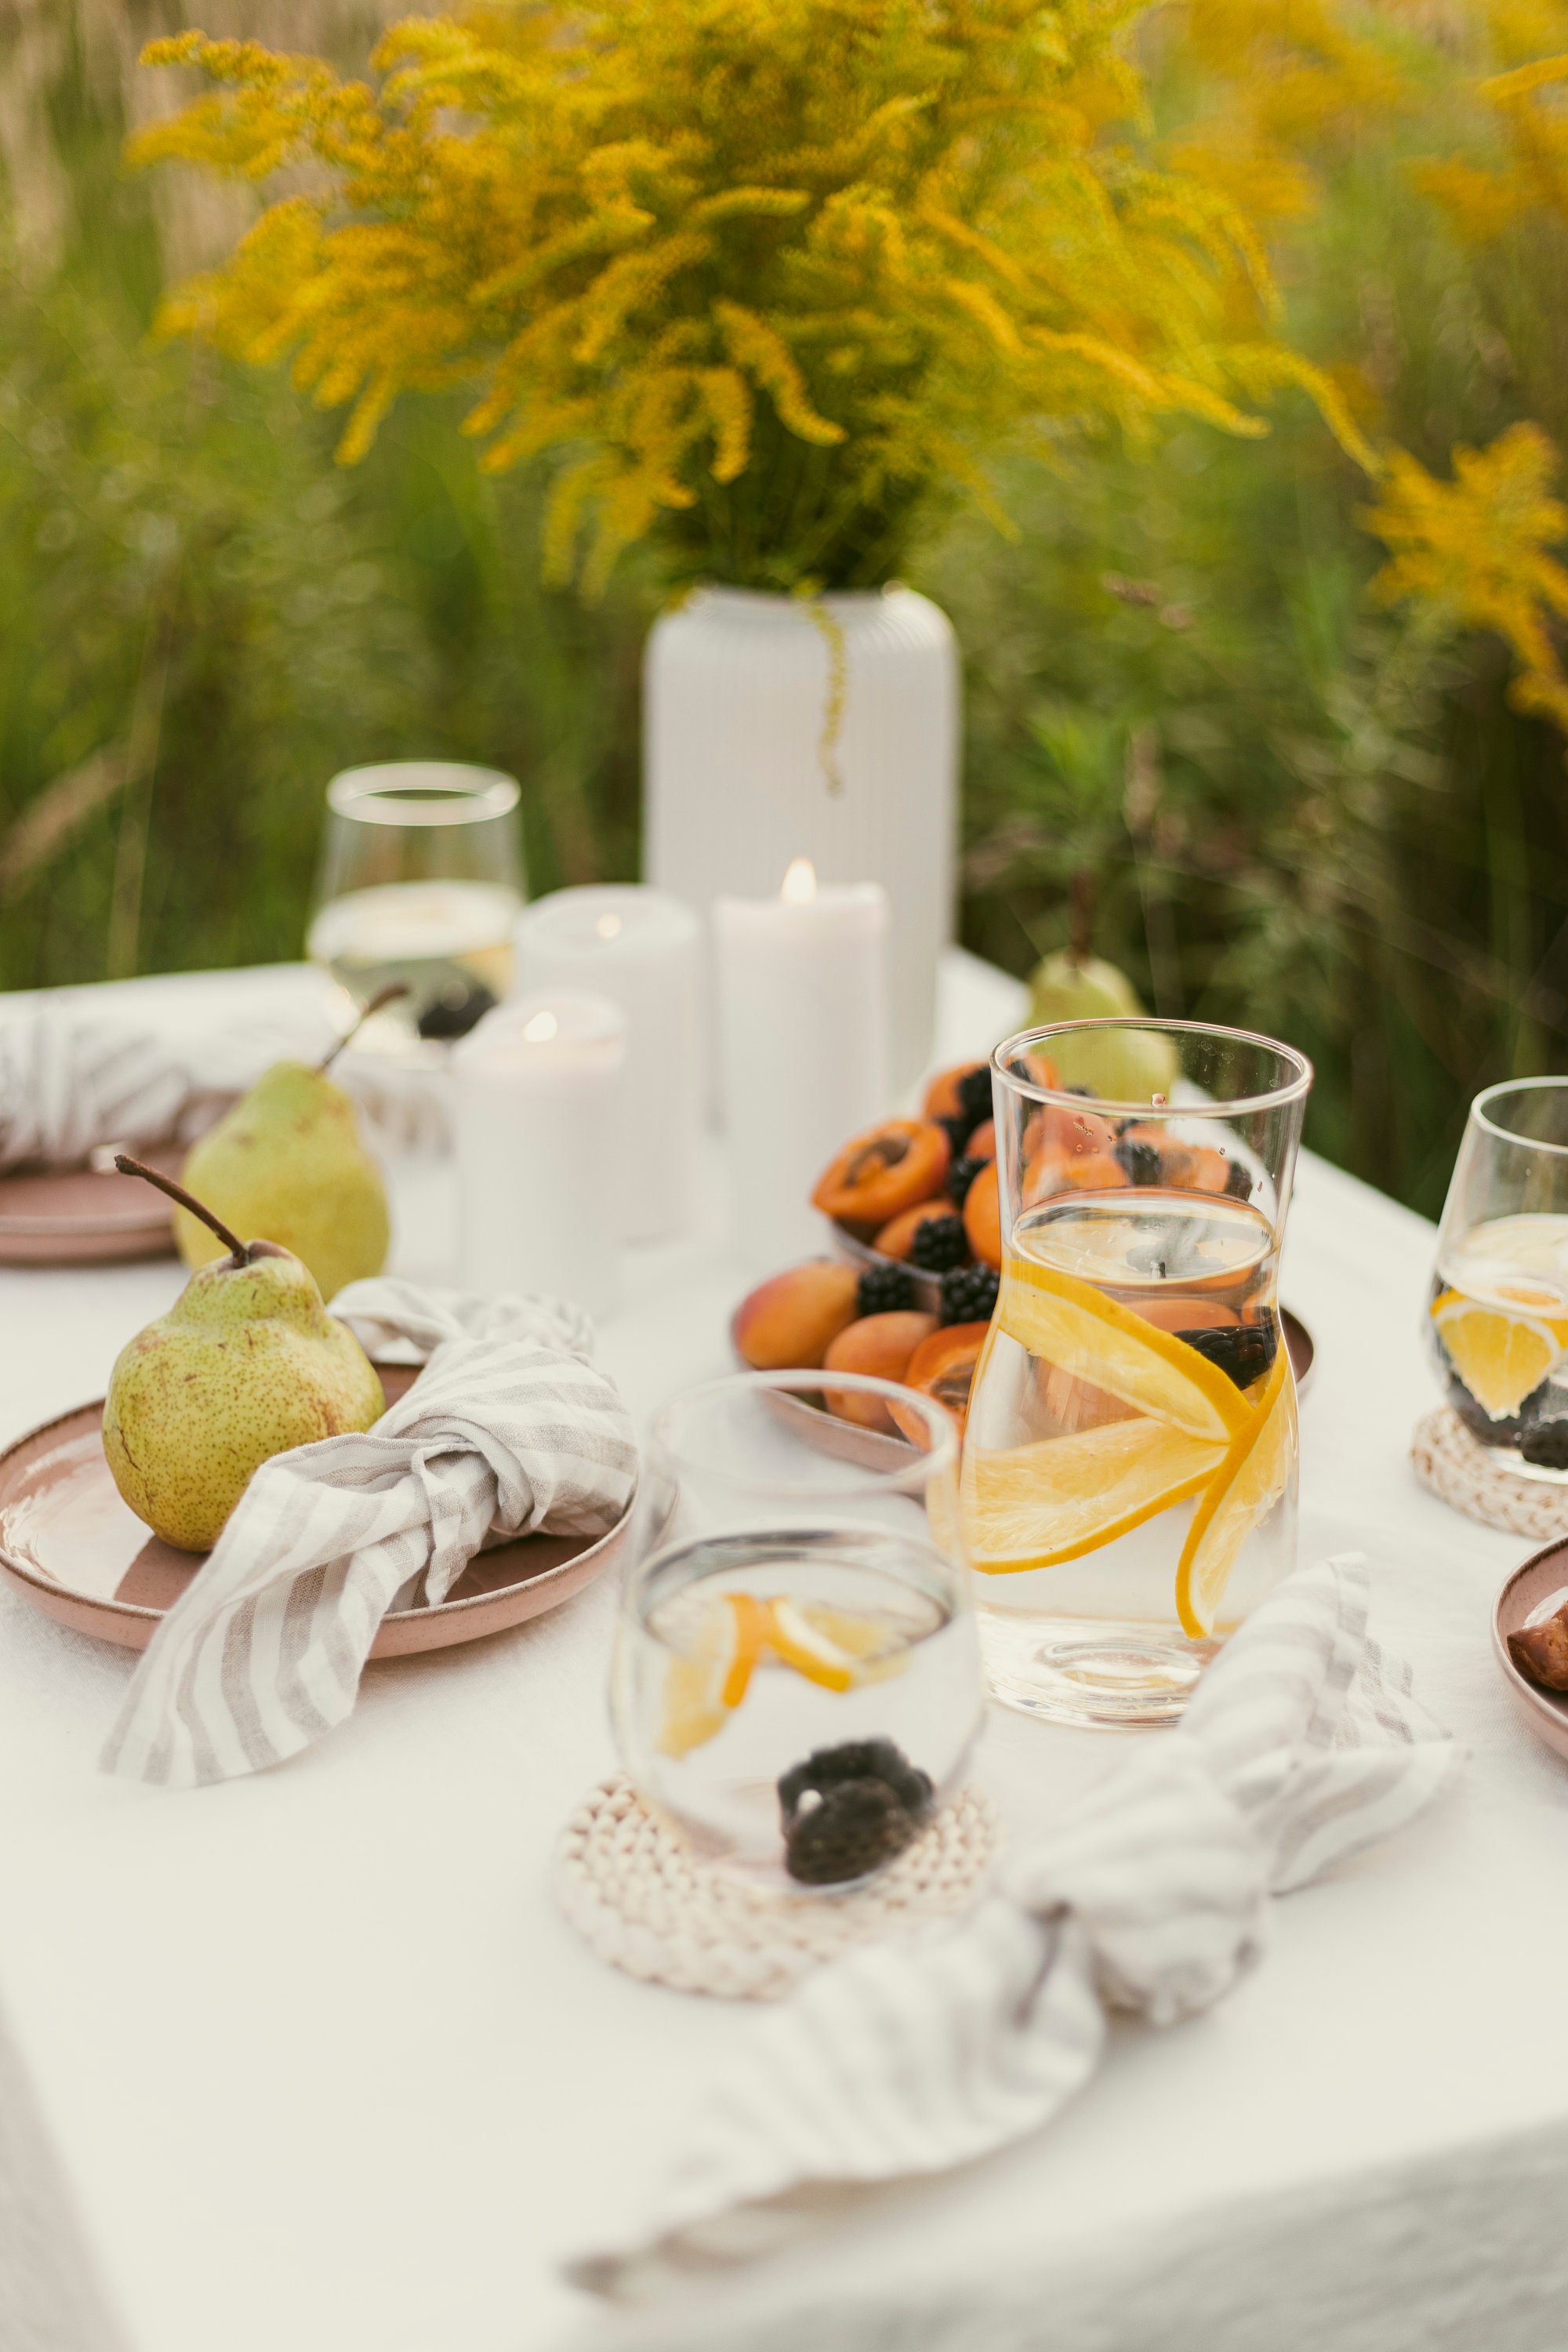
643, 950
802, 998
538, 1118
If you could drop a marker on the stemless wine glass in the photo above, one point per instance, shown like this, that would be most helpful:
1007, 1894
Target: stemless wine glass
796, 1682
1128, 1487
1496, 1321
420, 881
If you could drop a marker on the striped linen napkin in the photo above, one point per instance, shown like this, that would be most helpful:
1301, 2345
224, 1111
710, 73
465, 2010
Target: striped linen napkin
507, 1431
72, 1079
1302, 1746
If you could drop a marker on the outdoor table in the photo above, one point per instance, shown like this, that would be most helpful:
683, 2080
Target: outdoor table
312, 2062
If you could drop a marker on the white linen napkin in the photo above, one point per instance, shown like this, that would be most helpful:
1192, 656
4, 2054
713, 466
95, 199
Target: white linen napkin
72, 1078
1303, 1745
509, 1430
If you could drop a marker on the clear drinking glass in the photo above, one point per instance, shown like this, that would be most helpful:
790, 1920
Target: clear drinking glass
420, 880
1496, 1321
1129, 1483
796, 1682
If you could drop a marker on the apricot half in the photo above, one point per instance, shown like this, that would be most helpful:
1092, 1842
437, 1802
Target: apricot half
983, 1219
881, 1345
888, 1168
941, 1099
942, 1368
789, 1322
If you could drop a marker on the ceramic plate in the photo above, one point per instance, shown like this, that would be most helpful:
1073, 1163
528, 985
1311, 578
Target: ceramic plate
1544, 1573
74, 1217
73, 1549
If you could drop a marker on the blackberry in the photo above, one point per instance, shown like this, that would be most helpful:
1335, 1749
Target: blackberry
885, 1290
958, 1130
1242, 1351
1238, 1183
460, 1006
973, 1092
847, 1810
939, 1243
1546, 1445
960, 1177
856, 1759
1140, 1162
969, 1294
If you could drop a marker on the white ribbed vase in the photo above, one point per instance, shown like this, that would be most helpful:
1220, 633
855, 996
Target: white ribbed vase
736, 784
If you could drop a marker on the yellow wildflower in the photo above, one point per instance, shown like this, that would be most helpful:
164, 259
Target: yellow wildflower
772, 273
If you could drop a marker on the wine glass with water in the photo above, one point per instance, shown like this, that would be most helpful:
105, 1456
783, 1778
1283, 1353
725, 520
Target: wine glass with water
421, 880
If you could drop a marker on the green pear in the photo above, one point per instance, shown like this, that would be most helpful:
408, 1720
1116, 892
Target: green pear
246, 1364
287, 1162
1128, 1065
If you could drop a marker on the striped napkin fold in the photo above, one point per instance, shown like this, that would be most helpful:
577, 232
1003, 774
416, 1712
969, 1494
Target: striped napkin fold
507, 1431
72, 1079
1302, 1746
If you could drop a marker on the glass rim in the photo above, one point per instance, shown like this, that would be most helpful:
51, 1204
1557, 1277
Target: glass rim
899, 1479
1272, 1097
458, 794
1481, 1112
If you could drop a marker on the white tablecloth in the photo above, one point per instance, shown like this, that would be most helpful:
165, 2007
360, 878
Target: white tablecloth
311, 2064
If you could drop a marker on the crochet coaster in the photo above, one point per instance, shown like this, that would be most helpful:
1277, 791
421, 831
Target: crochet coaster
1467, 1474
649, 1906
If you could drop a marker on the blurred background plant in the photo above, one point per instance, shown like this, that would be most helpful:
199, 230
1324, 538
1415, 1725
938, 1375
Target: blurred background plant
1308, 803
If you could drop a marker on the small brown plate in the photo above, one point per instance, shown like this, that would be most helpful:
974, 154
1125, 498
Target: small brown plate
1543, 1574
73, 1216
71, 1547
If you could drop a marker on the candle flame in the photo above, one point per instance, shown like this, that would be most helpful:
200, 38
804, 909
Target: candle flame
800, 882
608, 926
542, 1026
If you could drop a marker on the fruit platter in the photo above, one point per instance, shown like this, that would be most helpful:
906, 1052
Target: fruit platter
913, 1218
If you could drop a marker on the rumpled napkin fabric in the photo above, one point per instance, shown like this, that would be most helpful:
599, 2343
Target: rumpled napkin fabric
507, 1431
72, 1079
1302, 1746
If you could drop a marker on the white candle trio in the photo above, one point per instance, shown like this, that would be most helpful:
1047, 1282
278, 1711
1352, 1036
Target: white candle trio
579, 1101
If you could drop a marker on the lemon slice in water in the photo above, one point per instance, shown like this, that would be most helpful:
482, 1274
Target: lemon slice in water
1096, 1339
1249, 1481
1500, 1357
1084, 1490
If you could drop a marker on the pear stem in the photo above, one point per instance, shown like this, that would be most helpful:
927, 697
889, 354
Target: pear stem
393, 988
239, 1250
1080, 939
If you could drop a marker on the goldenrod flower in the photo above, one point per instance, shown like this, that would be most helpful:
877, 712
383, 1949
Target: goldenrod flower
776, 270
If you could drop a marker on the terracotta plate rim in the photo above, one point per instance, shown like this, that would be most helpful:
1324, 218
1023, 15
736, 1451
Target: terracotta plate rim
1545, 1711
445, 1612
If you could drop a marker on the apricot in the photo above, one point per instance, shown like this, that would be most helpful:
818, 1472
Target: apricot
940, 1100
983, 1219
883, 1346
789, 1322
942, 1367
1075, 1133
1185, 1167
981, 1144
888, 1168
897, 1239
1098, 1173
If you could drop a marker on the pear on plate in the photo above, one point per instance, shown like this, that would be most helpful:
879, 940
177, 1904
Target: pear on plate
1128, 1065
246, 1364
288, 1161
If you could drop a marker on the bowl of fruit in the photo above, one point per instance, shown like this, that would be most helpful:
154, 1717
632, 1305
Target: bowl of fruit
913, 1222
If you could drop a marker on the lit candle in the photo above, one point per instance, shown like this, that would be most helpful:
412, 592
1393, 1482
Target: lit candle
644, 951
802, 1001
538, 1124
